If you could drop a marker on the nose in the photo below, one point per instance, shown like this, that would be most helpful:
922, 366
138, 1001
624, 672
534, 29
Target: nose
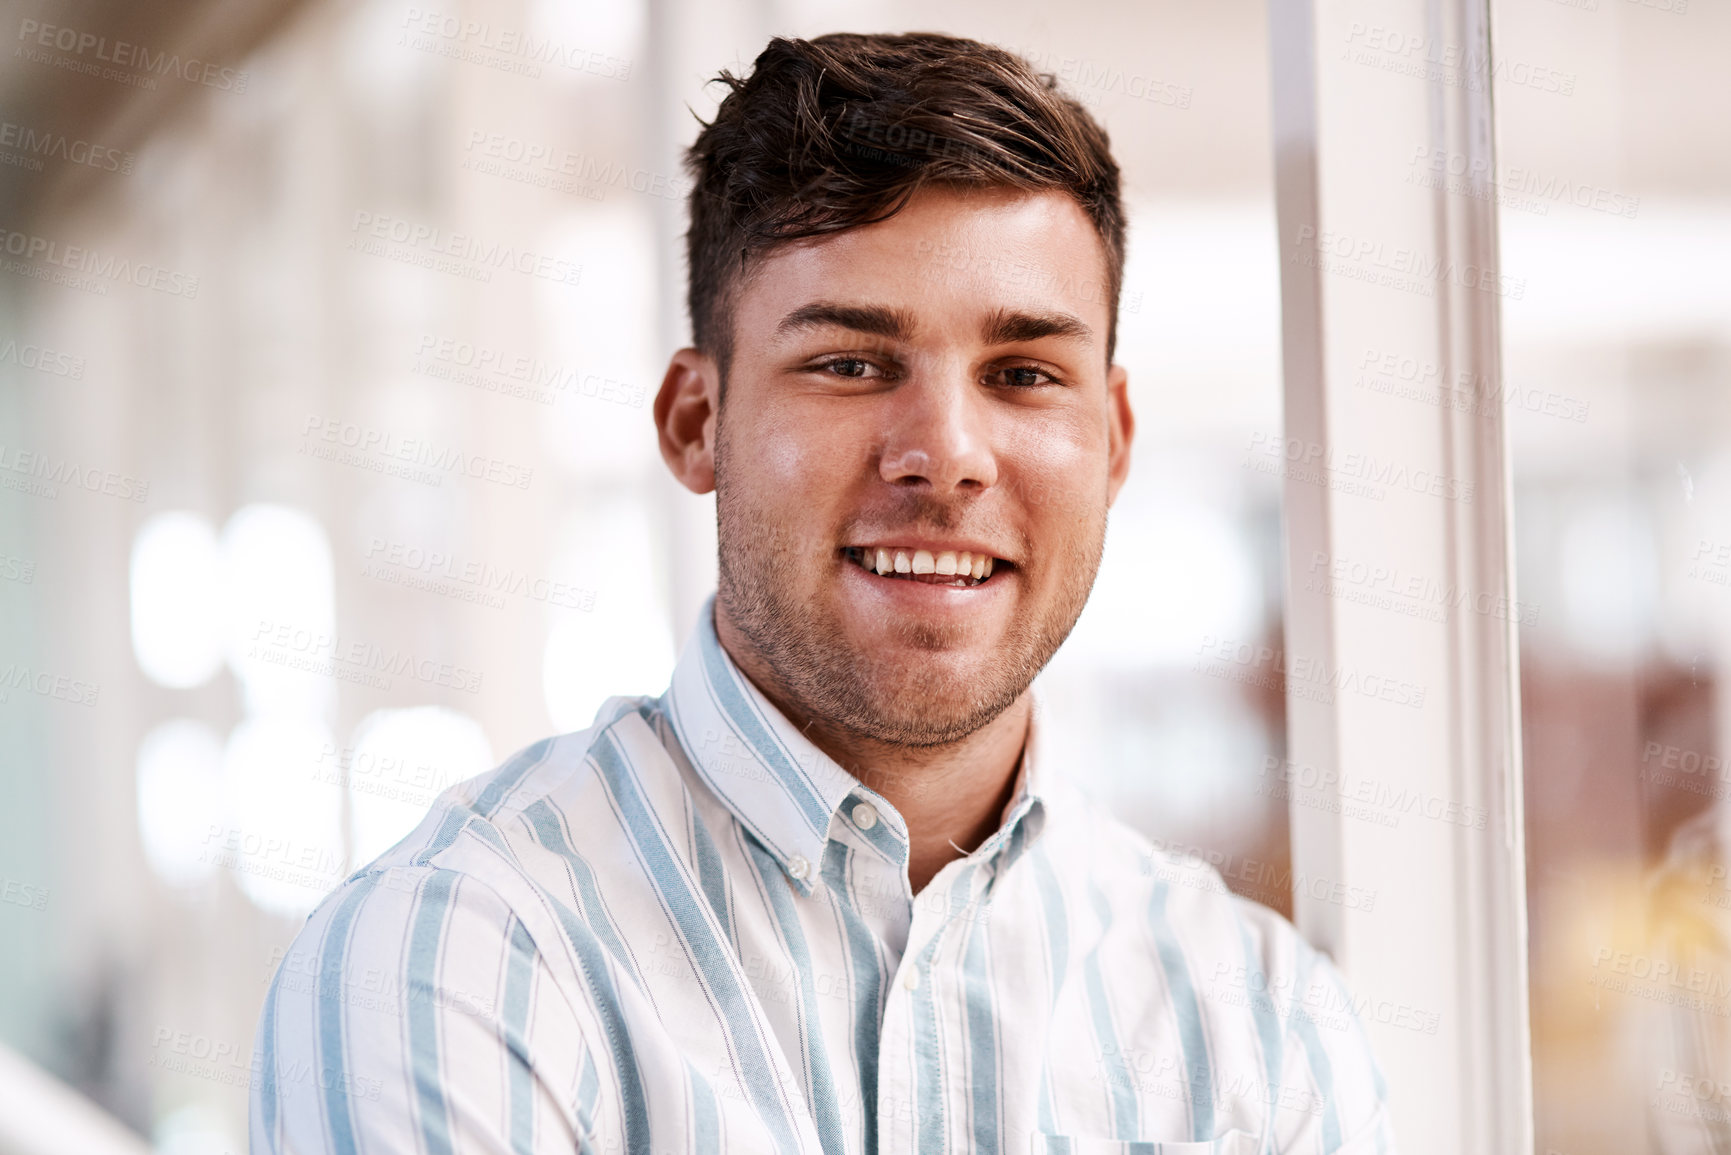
938, 437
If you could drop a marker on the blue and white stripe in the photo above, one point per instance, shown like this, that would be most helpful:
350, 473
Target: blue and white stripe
686, 929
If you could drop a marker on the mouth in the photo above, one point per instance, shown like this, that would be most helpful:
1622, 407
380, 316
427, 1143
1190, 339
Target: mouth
958, 568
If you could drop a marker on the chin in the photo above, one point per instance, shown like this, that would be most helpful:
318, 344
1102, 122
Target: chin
916, 698
911, 638
936, 724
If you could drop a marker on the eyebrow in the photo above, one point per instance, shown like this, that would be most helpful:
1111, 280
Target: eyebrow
1007, 326
878, 320
1004, 327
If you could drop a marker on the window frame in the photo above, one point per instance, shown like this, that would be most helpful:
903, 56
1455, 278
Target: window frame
1438, 964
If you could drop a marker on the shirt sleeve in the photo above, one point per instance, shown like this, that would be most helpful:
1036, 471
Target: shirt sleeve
1334, 1100
1326, 1093
414, 1013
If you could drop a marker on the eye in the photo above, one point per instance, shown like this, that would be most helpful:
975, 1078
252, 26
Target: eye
1025, 376
853, 368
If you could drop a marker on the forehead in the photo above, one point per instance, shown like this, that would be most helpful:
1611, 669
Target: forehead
949, 256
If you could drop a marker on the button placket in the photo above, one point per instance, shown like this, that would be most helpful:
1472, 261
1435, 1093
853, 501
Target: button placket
897, 1116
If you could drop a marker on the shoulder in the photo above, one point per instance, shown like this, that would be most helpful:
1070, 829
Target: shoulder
1227, 939
470, 870
468, 890
1257, 987
541, 772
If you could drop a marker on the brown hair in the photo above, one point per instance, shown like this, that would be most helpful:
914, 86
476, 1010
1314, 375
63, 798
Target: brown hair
839, 132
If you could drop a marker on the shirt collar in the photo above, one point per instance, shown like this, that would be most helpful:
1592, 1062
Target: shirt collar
777, 782
1024, 815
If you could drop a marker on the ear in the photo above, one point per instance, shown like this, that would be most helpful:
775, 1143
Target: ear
685, 413
1121, 430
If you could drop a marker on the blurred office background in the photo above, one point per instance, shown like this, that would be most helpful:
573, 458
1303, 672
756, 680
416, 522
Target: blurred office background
251, 622
1616, 212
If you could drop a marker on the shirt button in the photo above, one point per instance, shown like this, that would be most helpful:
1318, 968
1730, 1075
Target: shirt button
865, 816
798, 866
911, 979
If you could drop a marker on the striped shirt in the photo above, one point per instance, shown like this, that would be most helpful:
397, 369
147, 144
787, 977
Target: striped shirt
686, 929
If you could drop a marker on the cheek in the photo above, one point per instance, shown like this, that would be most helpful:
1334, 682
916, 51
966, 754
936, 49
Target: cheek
1060, 475
793, 461
784, 465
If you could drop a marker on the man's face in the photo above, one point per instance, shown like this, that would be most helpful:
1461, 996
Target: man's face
930, 396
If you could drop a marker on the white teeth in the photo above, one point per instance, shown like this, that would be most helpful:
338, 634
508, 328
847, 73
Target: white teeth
959, 564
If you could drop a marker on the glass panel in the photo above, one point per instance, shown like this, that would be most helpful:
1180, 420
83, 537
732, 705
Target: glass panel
1614, 181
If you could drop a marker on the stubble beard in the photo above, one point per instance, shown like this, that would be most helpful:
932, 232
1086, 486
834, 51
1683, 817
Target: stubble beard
836, 686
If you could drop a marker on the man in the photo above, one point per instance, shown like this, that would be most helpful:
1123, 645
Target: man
830, 893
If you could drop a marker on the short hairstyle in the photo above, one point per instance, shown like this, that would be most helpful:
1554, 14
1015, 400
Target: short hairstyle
840, 131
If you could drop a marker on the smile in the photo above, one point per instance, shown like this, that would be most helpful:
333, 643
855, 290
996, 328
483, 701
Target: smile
941, 567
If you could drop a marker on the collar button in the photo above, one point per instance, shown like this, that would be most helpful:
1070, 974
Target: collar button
798, 867
865, 816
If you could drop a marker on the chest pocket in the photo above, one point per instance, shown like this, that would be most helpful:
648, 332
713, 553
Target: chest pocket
1231, 1143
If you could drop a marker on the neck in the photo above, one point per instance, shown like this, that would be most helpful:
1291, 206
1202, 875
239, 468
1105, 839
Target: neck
952, 797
